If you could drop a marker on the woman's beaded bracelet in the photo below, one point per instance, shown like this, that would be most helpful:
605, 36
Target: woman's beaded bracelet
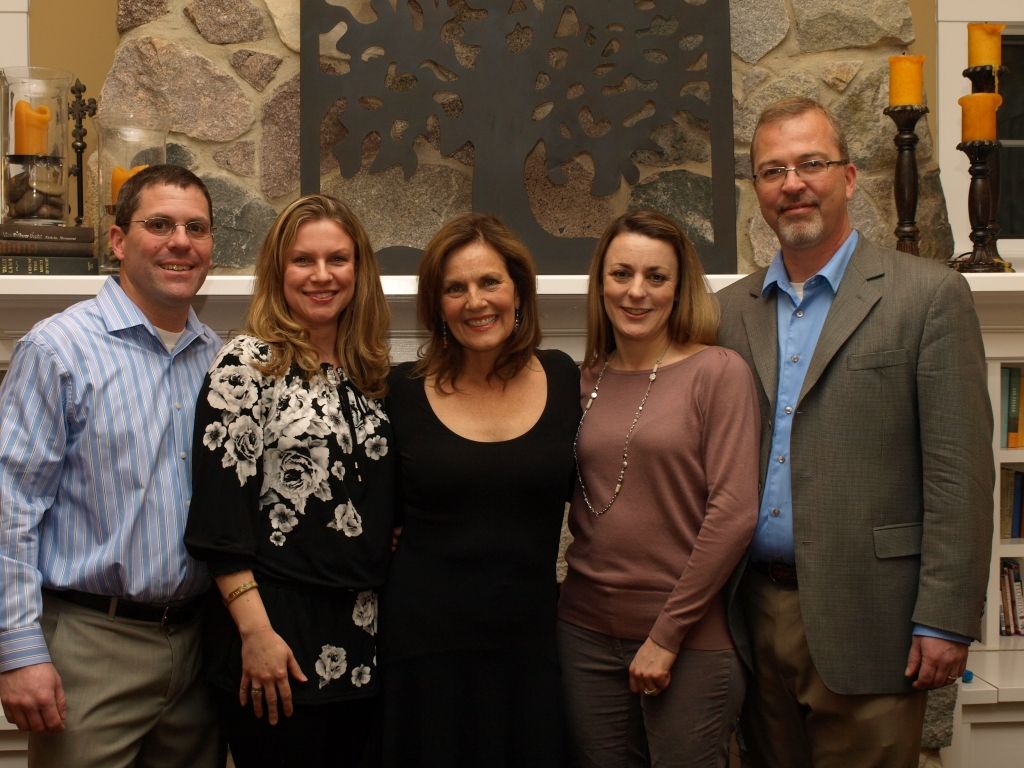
237, 592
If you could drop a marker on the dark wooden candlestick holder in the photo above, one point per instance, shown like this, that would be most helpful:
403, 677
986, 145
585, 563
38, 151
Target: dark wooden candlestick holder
78, 110
983, 80
979, 209
905, 187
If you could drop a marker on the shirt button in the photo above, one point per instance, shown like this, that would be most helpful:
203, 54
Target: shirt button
781, 459
183, 455
794, 359
799, 313
776, 512
177, 406
788, 409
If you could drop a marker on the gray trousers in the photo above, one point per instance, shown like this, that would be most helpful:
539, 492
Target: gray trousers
135, 695
687, 725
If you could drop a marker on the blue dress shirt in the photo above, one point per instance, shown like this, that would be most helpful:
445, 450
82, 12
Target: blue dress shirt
96, 420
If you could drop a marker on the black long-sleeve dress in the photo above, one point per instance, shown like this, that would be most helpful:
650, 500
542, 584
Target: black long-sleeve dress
468, 616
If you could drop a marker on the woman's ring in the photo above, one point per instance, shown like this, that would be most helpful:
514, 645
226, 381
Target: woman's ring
650, 691
256, 691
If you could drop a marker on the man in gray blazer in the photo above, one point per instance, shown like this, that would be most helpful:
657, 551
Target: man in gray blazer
866, 577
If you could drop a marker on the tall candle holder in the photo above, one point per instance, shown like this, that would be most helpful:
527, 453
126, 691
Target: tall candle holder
34, 145
979, 205
905, 187
78, 110
984, 190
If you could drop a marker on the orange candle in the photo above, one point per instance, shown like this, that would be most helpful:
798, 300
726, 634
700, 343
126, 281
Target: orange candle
119, 176
906, 82
984, 45
30, 129
979, 116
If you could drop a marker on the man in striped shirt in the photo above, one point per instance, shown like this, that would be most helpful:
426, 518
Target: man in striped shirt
99, 602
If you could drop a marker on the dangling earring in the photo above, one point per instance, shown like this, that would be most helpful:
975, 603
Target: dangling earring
444, 335
519, 317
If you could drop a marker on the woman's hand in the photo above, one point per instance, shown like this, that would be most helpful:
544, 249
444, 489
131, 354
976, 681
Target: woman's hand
267, 662
650, 670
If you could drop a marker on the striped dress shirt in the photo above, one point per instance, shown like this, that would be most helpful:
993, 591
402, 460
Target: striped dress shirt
96, 420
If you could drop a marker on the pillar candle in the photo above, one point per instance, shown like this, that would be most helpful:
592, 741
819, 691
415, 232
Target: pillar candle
984, 45
906, 81
119, 176
979, 116
30, 129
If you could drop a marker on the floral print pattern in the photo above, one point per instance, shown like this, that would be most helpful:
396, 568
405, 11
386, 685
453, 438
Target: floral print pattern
298, 478
292, 429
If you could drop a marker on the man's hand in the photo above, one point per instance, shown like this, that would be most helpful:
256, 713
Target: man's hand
33, 698
934, 662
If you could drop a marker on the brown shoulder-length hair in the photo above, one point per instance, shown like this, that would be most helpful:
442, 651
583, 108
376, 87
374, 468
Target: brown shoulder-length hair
694, 315
362, 327
446, 362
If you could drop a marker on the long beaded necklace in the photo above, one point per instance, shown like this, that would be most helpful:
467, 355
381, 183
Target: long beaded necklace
629, 434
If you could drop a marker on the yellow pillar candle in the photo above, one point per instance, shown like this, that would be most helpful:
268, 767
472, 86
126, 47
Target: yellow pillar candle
984, 45
979, 116
30, 129
119, 176
906, 82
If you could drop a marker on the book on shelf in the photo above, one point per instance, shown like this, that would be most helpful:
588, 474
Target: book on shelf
1013, 409
1018, 595
47, 232
44, 248
1018, 501
49, 265
1006, 475
1008, 611
1004, 403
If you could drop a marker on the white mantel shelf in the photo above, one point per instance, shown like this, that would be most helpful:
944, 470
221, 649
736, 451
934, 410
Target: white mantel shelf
25, 300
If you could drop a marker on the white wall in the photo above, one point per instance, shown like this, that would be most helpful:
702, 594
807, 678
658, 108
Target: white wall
14, 33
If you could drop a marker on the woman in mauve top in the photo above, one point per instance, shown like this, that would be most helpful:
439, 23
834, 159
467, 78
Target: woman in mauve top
664, 507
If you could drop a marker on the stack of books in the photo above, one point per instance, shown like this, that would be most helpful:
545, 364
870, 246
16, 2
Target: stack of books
47, 249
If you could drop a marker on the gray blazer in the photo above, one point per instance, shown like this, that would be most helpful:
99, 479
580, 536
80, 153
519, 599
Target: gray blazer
891, 459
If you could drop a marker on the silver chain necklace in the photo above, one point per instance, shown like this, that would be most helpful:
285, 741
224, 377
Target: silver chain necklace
629, 434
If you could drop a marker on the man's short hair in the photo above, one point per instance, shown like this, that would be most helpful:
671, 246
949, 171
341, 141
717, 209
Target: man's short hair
153, 175
795, 106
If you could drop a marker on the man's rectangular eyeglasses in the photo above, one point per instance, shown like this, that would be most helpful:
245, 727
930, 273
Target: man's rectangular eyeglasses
809, 169
161, 226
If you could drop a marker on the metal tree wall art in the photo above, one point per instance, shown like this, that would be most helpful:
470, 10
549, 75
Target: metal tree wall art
594, 79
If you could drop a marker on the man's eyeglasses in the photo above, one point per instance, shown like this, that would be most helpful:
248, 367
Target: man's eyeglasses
807, 170
161, 226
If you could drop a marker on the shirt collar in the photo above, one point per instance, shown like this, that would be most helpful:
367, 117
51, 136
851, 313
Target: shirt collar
120, 313
777, 278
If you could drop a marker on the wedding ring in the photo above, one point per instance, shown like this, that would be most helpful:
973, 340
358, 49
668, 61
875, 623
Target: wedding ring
650, 691
256, 691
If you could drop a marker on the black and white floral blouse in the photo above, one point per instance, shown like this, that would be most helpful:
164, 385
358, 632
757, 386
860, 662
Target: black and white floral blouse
294, 478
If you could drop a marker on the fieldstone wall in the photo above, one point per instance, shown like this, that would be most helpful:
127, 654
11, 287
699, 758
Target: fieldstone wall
225, 73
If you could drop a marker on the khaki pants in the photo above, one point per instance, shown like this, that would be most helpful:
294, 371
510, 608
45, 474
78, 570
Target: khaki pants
134, 692
791, 720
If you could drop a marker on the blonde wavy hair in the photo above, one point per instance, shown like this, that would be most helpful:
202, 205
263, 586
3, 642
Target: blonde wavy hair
362, 327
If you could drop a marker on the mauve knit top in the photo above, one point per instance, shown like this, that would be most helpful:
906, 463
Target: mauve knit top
656, 562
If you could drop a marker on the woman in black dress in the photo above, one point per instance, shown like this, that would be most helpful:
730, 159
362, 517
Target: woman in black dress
483, 426
293, 499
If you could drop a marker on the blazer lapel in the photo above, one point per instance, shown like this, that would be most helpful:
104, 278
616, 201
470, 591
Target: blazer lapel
760, 320
859, 291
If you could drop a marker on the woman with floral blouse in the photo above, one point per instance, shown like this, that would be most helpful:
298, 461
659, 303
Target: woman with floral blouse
293, 496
